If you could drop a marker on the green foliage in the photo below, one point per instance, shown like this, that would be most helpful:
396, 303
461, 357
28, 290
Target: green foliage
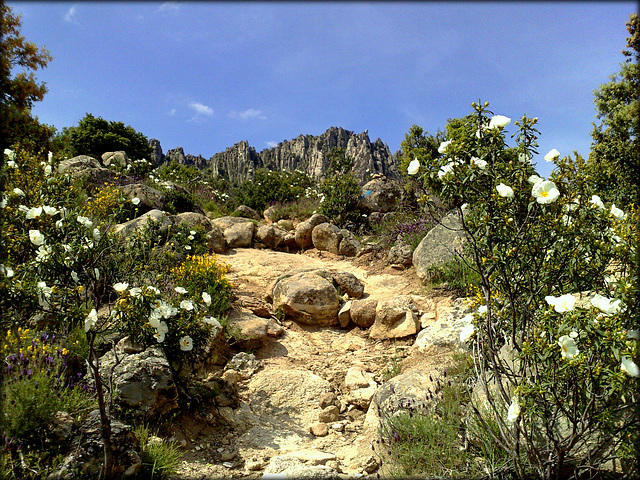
340, 191
457, 275
94, 136
268, 187
423, 439
534, 241
160, 459
614, 165
297, 210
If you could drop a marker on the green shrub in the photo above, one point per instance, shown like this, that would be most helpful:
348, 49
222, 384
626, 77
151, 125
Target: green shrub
340, 191
268, 187
160, 458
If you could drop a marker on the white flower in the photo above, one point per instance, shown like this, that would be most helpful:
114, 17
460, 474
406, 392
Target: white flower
499, 121
561, 304
135, 291
190, 237
606, 305
545, 192
595, 199
36, 237
43, 253
414, 167
18, 192
153, 289
635, 334
481, 164
3, 201
445, 169
552, 155
514, 410
34, 212
6, 271
444, 146
206, 298
482, 309
629, 367
120, 287
135, 200
504, 191
212, 321
47, 170
467, 332
91, 320
187, 247
159, 336
617, 213
573, 334
75, 277
568, 346
96, 234
50, 157
186, 305
192, 232
186, 343
85, 221
162, 327
10, 154
524, 158
180, 290
533, 179
11, 164
570, 207
51, 211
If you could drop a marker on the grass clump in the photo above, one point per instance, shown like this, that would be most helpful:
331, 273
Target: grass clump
160, 458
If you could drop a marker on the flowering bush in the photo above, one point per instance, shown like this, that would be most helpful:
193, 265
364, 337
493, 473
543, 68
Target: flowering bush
563, 398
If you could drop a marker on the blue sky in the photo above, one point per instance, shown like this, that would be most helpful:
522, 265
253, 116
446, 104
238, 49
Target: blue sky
205, 75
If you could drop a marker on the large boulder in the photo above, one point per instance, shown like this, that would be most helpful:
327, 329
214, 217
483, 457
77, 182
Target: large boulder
307, 297
238, 231
247, 212
193, 218
349, 245
395, 318
271, 235
87, 457
380, 195
326, 237
115, 159
400, 254
445, 332
143, 382
217, 242
154, 216
150, 198
363, 312
441, 244
304, 230
348, 283
92, 172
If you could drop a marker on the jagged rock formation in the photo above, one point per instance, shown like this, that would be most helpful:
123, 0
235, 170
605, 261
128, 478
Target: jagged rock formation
305, 152
157, 157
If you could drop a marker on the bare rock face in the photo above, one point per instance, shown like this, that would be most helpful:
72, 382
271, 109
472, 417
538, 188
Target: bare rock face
304, 230
217, 242
363, 312
439, 245
157, 157
326, 237
150, 198
395, 318
238, 231
87, 455
143, 381
116, 159
157, 216
400, 254
307, 298
380, 195
237, 163
348, 283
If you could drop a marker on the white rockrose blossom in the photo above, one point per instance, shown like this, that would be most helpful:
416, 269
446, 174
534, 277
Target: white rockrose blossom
120, 287
414, 167
570, 207
48, 170
186, 305
152, 289
545, 192
481, 164
595, 199
43, 254
181, 290
159, 336
482, 309
568, 346
608, 306
206, 298
444, 146
629, 367
467, 332
552, 155
617, 213
186, 343
561, 304
135, 291
212, 321
9, 154
135, 200
505, 191
90, 320
18, 192
3, 201
36, 237
533, 179
514, 410
192, 232
85, 221
445, 170
51, 211
499, 121
524, 158
33, 212
573, 334
50, 157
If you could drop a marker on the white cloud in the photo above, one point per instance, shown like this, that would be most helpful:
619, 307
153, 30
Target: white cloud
171, 112
272, 144
70, 16
200, 108
171, 8
247, 114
